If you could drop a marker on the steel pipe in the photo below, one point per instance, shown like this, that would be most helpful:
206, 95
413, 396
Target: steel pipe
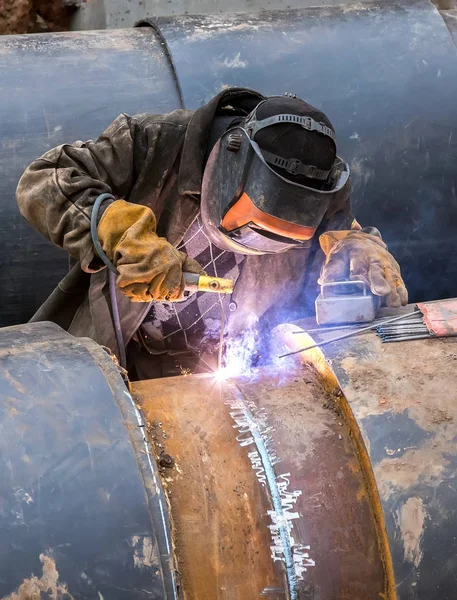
267, 495
55, 89
333, 478
399, 402
83, 513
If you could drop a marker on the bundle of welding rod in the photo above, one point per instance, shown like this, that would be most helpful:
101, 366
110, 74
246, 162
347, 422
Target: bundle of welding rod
410, 328
436, 319
431, 319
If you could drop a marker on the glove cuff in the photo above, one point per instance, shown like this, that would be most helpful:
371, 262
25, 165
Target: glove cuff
118, 218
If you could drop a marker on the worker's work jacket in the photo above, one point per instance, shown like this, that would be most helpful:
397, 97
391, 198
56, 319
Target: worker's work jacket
157, 161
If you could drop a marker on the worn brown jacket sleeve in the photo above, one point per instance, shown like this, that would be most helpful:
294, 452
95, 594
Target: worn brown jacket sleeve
57, 191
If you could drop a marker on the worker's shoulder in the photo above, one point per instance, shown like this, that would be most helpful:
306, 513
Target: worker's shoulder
176, 118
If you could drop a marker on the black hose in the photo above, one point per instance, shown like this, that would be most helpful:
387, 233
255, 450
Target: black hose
112, 272
94, 232
117, 320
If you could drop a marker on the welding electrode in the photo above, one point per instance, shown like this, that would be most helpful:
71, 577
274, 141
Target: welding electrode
414, 329
203, 283
346, 335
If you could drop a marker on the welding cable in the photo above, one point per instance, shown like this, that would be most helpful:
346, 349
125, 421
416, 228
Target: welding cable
112, 272
94, 232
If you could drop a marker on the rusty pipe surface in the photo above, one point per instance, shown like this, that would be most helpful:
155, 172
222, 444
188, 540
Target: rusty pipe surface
266, 492
261, 494
399, 400
330, 478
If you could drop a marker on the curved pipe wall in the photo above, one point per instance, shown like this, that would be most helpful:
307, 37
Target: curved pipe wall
83, 513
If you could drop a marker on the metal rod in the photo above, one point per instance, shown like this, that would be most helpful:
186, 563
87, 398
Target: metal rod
401, 334
400, 324
400, 329
354, 326
346, 335
390, 336
411, 322
405, 338
404, 326
335, 328
221, 337
403, 330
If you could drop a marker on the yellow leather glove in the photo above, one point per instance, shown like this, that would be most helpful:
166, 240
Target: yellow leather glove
150, 268
355, 255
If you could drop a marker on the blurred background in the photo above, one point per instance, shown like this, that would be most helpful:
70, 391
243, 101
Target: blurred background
35, 16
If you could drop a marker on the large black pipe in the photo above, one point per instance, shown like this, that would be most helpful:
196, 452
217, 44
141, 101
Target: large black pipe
385, 73
82, 512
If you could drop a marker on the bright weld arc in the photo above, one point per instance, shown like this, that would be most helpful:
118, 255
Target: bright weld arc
274, 491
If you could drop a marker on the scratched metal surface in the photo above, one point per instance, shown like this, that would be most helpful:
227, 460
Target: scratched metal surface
386, 74
80, 502
226, 540
403, 396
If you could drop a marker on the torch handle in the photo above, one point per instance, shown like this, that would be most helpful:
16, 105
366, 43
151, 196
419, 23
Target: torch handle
203, 283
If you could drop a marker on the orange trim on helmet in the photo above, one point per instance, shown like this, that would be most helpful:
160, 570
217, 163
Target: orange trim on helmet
244, 211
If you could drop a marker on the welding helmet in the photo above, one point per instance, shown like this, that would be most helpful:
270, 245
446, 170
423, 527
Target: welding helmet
269, 181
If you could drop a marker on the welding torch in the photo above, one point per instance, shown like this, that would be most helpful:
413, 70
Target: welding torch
203, 283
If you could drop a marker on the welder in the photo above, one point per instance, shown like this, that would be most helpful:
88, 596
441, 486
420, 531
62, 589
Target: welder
247, 187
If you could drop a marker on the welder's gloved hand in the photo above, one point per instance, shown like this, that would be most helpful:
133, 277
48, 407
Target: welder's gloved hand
150, 268
356, 255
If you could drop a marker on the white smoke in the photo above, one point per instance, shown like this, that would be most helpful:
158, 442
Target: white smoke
239, 355
242, 353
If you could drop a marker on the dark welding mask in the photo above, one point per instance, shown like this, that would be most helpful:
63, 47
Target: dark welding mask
250, 208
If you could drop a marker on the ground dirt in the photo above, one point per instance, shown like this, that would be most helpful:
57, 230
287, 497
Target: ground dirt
445, 4
34, 16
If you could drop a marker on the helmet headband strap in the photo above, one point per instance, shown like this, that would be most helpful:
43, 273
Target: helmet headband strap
294, 166
253, 125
